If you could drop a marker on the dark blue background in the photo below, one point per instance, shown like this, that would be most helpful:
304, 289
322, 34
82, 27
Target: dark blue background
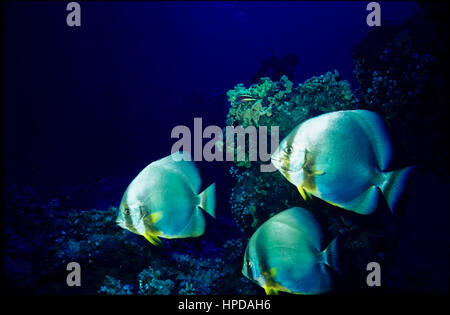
100, 101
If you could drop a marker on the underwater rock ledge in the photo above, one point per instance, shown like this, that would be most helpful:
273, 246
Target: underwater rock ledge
256, 195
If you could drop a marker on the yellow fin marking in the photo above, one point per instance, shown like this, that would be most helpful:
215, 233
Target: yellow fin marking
153, 218
316, 173
302, 192
153, 239
270, 290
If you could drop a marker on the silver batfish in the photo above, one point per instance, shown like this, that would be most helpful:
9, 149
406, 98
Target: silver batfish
164, 200
342, 158
286, 254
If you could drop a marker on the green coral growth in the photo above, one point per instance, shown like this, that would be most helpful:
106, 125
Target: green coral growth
281, 104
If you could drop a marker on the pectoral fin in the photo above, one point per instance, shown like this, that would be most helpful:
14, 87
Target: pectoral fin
317, 173
153, 239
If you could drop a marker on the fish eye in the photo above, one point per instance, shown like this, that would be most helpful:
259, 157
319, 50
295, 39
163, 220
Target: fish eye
288, 149
126, 211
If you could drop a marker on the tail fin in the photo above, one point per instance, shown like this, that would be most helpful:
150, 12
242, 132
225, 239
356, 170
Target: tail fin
331, 256
208, 200
393, 185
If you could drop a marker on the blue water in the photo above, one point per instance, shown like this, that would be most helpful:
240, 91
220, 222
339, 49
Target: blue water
86, 108
101, 100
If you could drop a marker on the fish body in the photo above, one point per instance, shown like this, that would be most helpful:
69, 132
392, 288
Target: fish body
342, 157
246, 98
164, 200
285, 254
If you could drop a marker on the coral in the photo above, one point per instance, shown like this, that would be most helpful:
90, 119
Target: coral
257, 196
280, 104
402, 71
187, 289
219, 274
113, 286
150, 284
118, 261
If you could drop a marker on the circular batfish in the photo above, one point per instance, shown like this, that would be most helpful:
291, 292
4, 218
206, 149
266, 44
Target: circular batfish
285, 254
164, 200
342, 157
